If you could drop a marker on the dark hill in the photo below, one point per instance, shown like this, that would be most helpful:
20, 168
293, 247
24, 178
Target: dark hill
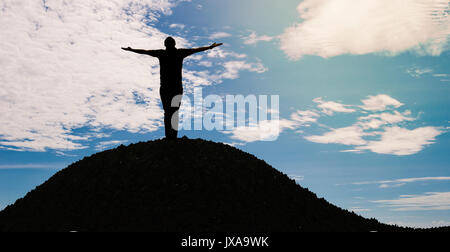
188, 185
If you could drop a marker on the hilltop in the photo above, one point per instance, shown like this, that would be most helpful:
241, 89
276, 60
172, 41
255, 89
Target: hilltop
181, 186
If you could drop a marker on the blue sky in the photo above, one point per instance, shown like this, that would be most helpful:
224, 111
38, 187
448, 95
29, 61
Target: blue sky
363, 91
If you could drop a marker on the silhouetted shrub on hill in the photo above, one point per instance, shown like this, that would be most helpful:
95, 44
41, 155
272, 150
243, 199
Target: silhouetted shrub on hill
185, 186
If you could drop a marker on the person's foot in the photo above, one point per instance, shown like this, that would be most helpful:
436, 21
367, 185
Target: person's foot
170, 139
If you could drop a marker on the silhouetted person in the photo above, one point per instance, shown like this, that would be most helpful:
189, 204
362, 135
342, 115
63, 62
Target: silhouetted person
171, 91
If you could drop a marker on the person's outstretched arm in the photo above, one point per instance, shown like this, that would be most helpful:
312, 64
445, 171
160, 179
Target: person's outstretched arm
202, 49
153, 53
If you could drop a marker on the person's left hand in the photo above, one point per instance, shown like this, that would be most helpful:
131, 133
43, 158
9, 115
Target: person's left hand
215, 45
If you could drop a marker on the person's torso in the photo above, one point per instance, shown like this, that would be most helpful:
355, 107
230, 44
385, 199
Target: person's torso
171, 68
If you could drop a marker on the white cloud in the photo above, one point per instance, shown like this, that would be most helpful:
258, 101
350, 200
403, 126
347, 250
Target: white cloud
268, 130
297, 178
412, 180
376, 132
232, 69
359, 209
63, 69
427, 201
391, 185
375, 121
193, 79
401, 142
205, 63
178, 26
351, 151
415, 224
253, 39
335, 27
352, 135
108, 144
393, 140
220, 35
401, 182
329, 107
62, 154
440, 223
304, 118
229, 69
442, 76
380, 103
32, 166
220, 53
417, 72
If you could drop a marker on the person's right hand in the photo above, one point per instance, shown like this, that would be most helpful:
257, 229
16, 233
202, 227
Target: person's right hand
126, 49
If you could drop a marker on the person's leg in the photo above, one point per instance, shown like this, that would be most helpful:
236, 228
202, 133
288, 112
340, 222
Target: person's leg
168, 124
171, 104
166, 100
174, 116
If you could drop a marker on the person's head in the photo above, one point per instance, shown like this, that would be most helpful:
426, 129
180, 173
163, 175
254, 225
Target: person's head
170, 43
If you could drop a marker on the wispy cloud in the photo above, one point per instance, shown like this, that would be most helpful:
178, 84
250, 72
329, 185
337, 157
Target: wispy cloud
335, 27
220, 53
305, 118
359, 209
425, 202
417, 72
297, 178
232, 69
329, 107
254, 38
392, 185
63, 154
220, 35
402, 182
32, 166
375, 121
177, 26
108, 144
